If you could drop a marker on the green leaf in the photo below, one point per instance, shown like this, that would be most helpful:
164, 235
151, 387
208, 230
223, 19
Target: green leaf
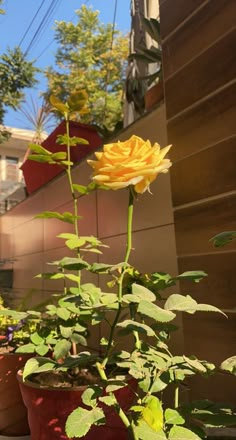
80, 421
75, 243
27, 348
72, 141
144, 432
58, 104
180, 433
18, 316
37, 365
108, 400
63, 313
36, 338
62, 348
51, 276
194, 275
41, 349
66, 332
137, 326
229, 365
41, 158
78, 339
89, 396
77, 100
61, 155
188, 304
80, 188
223, 238
71, 263
66, 217
153, 311
36, 148
143, 293
153, 413
173, 417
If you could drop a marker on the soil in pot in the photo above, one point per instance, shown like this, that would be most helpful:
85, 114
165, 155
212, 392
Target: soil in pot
13, 413
48, 409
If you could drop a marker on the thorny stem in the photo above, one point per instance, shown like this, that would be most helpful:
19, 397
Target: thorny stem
75, 201
127, 254
118, 409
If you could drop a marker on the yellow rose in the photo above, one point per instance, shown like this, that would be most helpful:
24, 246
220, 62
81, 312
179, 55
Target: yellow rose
133, 162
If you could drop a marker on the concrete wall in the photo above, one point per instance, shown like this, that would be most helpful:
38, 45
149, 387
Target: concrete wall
33, 243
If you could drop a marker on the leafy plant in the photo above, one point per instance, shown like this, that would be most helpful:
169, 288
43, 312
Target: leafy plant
133, 304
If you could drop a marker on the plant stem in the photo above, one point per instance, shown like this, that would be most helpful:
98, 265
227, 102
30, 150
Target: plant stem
127, 254
75, 201
117, 407
176, 396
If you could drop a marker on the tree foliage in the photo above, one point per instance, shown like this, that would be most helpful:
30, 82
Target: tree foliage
91, 56
16, 74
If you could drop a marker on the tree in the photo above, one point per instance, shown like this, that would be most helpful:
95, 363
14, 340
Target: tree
16, 74
91, 56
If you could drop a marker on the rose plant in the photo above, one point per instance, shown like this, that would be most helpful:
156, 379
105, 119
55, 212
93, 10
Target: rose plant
133, 304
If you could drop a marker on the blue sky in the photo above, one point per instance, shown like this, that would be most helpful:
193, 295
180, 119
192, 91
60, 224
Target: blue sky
19, 14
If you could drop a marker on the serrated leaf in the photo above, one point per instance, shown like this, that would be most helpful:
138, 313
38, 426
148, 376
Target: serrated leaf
188, 304
229, 365
108, 400
41, 158
63, 313
193, 275
77, 100
153, 413
80, 421
36, 338
66, 332
58, 104
60, 155
223, 238
36, 365
62, 348
137, 326
173, 417
78, 339
181, 433
143, 293
90, 395
36, 148
71, 263
153, 311
26, 348
41, 349
144, 432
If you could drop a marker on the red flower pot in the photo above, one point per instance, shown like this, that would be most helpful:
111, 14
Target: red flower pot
37, 174
49, 408
13, 413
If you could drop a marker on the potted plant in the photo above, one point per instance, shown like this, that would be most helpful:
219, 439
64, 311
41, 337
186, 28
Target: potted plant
152, 82
16, 328
114, 393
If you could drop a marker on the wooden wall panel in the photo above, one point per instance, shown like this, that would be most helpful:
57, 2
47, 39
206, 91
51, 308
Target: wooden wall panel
199, 65
174, 12
205, 174
208, 122
202, 29
219, 287
203, 75
196, 224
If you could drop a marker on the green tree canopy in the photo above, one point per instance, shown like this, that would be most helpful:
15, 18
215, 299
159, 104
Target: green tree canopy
91, 56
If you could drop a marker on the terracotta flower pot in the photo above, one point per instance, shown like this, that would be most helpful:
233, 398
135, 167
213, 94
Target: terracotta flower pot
13, 413
49, 408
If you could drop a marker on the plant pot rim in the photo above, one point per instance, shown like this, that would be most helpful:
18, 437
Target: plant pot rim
13, 353
31, 384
